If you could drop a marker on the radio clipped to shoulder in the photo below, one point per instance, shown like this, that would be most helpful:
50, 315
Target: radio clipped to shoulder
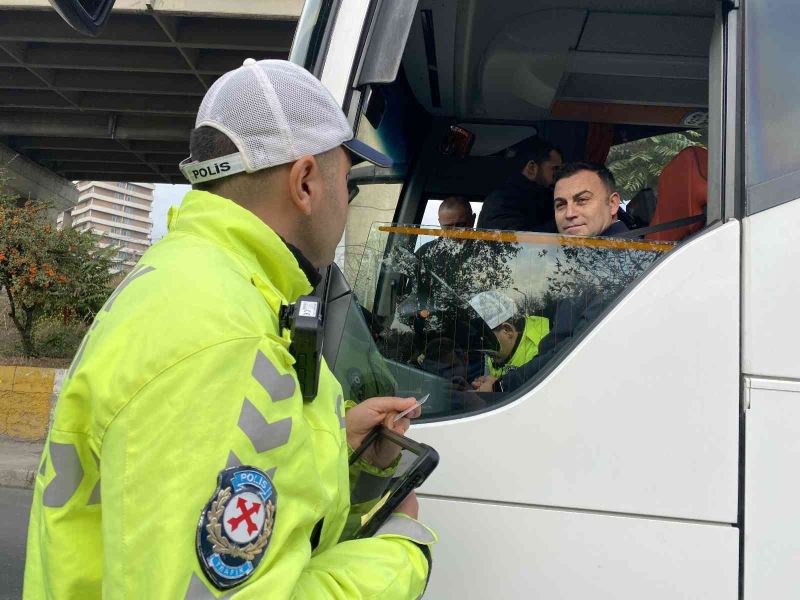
304, 320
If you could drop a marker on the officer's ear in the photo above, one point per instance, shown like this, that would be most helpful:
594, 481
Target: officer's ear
507, 329
306, 184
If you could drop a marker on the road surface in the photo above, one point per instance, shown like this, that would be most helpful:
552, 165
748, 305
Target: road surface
15, 505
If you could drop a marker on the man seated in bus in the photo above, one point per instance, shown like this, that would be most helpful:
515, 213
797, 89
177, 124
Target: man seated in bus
586, 204
440, 265
525, 202
446, 255
586, 201
455, 211
518, 336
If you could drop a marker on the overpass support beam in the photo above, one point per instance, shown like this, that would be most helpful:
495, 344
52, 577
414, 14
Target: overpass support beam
33, 181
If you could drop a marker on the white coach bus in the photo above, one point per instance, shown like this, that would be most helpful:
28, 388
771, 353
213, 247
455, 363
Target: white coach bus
650, 453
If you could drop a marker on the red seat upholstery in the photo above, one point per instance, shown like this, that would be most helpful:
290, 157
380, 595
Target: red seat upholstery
682, 192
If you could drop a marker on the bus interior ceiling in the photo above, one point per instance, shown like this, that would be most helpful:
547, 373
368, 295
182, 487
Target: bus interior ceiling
641, 68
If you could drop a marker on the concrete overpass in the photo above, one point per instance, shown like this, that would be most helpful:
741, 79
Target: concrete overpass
119, 107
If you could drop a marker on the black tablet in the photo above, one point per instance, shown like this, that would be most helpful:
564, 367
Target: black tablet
417, 461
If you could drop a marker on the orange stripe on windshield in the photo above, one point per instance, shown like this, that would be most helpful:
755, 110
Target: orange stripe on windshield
531, 238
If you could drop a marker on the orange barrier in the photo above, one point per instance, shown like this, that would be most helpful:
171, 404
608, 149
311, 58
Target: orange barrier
531, 238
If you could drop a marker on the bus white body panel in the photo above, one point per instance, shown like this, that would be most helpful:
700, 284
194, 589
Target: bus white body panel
771, 332
500, 551
772, 491
588, 438
771, 280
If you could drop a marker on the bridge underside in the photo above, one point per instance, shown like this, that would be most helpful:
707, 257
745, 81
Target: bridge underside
120, 107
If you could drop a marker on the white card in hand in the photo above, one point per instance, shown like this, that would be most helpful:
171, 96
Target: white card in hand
420, 402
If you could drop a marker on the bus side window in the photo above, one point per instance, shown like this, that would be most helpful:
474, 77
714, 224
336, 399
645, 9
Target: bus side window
772, 161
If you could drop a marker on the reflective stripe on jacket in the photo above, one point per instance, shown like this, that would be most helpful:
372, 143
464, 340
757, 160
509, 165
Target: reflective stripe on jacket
535, 329
185, 371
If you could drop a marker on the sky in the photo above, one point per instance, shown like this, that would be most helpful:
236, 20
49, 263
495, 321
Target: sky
166, 195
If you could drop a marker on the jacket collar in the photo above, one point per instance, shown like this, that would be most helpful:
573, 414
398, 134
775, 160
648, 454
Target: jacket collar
261, 251
309, 270
615, 228
527, 337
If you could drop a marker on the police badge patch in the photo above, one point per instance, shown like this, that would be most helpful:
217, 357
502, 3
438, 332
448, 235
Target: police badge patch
236, 526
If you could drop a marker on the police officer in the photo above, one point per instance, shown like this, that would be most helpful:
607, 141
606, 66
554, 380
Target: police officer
183, 461
518, 337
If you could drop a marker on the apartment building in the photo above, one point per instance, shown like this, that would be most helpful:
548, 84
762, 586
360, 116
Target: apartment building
119, 213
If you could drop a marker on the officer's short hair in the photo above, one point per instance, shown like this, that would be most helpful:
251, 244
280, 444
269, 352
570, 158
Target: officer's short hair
570, 169
206, 143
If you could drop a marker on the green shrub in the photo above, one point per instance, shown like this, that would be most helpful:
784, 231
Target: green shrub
57, 340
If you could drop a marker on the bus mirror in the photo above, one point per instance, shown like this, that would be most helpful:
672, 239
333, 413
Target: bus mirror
85, 16
372, 174
458, 142
387, 42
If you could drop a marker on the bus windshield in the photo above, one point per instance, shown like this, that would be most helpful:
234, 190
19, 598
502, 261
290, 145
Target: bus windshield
473, 316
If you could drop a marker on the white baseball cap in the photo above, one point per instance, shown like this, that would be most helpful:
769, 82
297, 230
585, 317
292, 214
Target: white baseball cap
274, 112
494, 307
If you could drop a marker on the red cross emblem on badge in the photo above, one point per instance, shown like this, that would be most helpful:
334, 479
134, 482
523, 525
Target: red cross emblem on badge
244, 515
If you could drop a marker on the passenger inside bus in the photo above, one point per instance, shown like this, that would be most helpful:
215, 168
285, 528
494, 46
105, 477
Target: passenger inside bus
525, 202
455, 211
586, 201
434, 287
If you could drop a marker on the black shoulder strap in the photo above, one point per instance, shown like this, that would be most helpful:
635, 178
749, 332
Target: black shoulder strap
642, 231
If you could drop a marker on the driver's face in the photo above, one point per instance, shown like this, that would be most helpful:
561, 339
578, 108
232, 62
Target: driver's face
583, 205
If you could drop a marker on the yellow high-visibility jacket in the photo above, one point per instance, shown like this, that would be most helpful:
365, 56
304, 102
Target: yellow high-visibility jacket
184, 373
527, 349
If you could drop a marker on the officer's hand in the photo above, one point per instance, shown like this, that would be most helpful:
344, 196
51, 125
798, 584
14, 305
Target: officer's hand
484, 383
362, 418
409, 506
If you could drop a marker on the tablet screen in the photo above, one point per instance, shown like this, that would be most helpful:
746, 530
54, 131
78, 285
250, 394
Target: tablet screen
407, 460
413, 463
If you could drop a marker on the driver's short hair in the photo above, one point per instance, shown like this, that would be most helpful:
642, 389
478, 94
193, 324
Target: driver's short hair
570, 169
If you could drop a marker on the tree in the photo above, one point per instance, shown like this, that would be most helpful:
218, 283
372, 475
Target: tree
44, 270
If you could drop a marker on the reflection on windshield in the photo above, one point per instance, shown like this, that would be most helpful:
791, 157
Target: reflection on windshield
471, 316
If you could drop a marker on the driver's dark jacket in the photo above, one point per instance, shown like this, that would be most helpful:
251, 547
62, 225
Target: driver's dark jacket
572, 316
520, 205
